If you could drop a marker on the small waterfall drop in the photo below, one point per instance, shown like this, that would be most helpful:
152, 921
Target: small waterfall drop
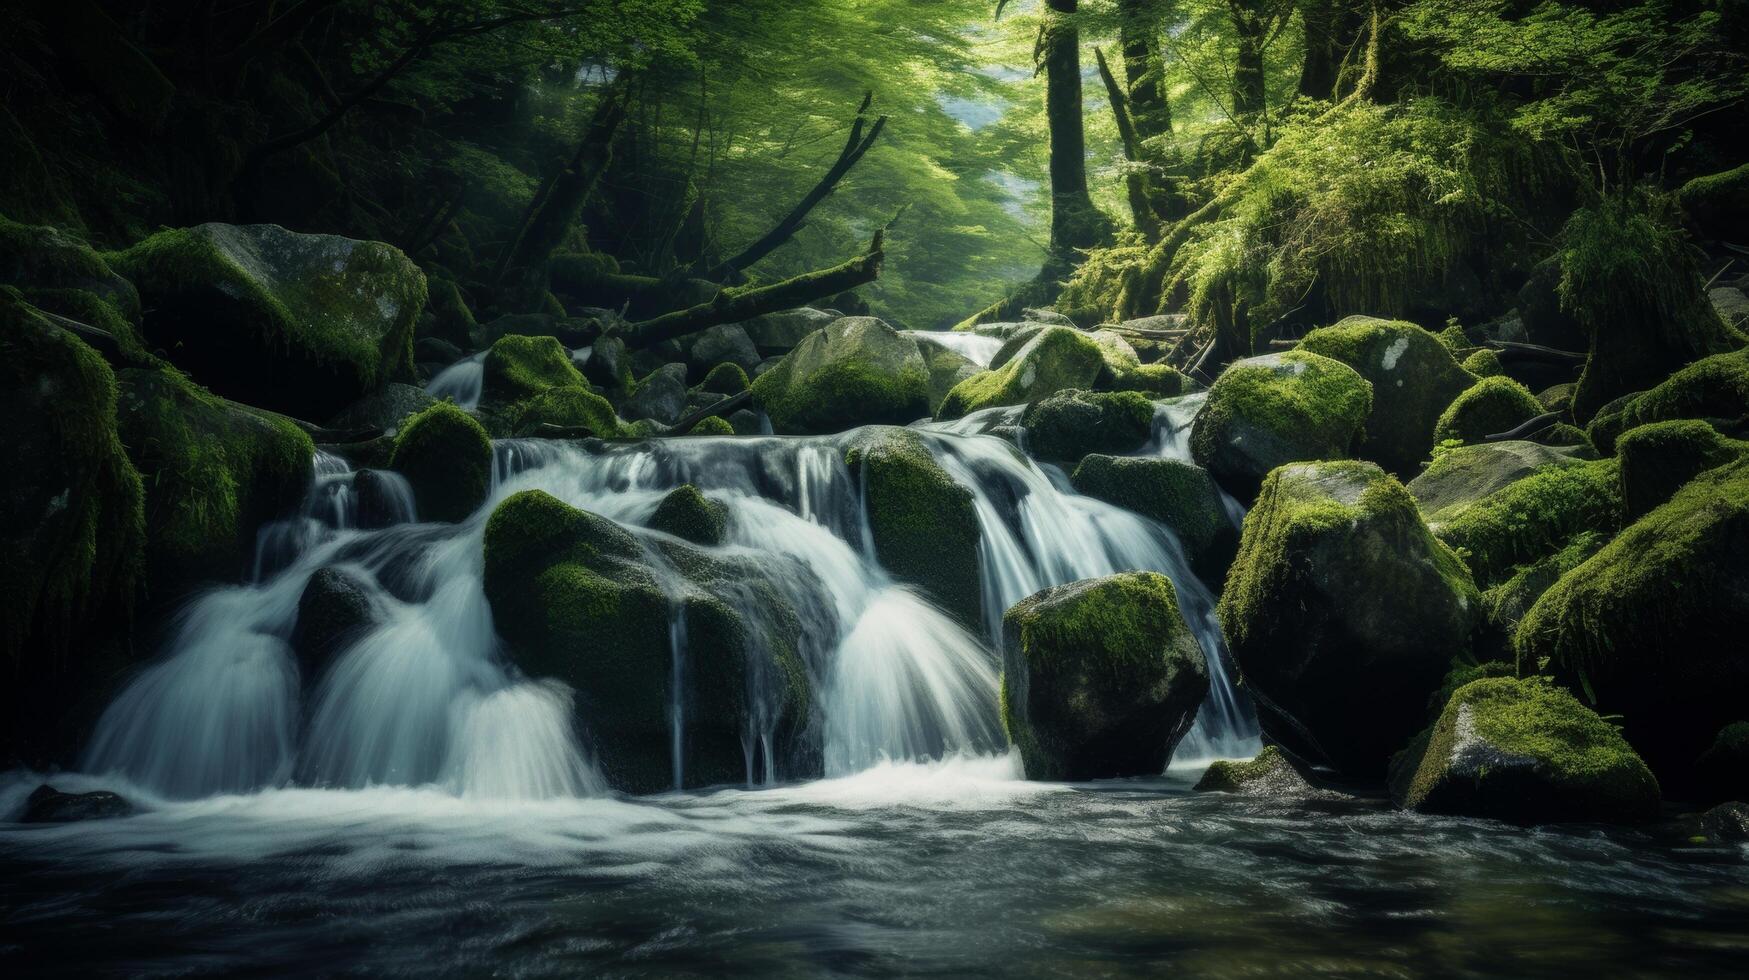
974, 347
461, 382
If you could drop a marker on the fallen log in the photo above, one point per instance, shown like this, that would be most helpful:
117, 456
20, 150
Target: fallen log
725, 406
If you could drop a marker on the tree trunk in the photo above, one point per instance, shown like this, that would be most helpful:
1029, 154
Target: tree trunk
1149, 109
1249, 27
1135, 179
1320, 19
1075, 223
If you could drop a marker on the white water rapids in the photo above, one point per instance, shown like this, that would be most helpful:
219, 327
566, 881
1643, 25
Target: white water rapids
426, 697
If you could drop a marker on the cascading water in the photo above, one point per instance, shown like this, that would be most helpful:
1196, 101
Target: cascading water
461, 382
977, 348
424, 696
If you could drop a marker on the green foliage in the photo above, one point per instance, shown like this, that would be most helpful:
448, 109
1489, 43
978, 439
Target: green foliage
1534, 517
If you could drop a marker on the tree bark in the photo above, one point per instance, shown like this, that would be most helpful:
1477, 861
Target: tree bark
735, 305
1135, 179
1330, 26
1249, 28
1075, 223
1149, 108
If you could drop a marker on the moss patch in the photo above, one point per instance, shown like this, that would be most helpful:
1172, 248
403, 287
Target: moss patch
1534, 517
725, 379
1050, 360
1067, 425
519, 367
447, 457
1413, 378
1484, 364
572, 406
854, 371
924, 526
1490, 406
1657, 459
691, 516
1266, 411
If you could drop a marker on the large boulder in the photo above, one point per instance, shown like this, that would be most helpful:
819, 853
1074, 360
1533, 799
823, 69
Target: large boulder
659, 395
947, 367
1651, 627
1045, 362
1065, 426
1717, 204
1527, 752
447, 457
691, 516
855, 371
1267, 411
1489, 407
73, 523
1658, 459
214, 472
1466, 474
1714, 388
1413, 379
1533, 517
924, 526
519, 367
1180, 495
577, 599
1343, 613
58, 273
1100, 678
303, 324
782, 332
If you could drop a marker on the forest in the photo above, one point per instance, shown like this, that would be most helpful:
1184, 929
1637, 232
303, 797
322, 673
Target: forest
864, 486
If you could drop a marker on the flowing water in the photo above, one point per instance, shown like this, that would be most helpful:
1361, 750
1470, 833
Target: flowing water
419, 804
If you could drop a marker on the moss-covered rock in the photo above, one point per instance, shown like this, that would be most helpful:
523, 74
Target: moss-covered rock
725, 343
1715, 388
1067, 425
725, 380
386, 408
1717, 204
1490, 406
1556, 398
519, 367
447, 316
1266, 411
1657, 459
1413, 379
570, 406
214, 472
1534, 517
713, 425
855, 371
317, 320
1100, 678
74, 527
691, 516
1050, 360
1343, 612
1505, 604
947, 368
1270, 775
1484, 363
1565, 436
1466, 474
1527, 752
659, 396
1180, 495
1722, 771
924, 526
1609, 423
578, 599
1153, 380
1727, 823
1650, 627
447, 457
782, 332
57, 272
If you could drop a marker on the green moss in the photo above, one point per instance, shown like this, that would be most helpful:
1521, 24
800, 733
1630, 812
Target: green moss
725, 379
1177, 494
1564, 435
854, 371
213, 472
924, 525
1413, 378
691, 516
1281, 408
1484, 364
1528, 752
73, 551
1490, 406
1649, 626
1717, 203
447, 457
572, 406
1455, 340
1534, 517
1229, 776
1715, 387
1609, 423
40, 257
1506, 603
1054, 359
450, 317
1100, 677
1068, 425
712, 425
1153, 380
519, 367
1657, 459
579, 270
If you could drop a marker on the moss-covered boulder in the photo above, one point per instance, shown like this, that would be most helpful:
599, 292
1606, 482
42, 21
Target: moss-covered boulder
712, 425
74, 527
1651, 626
1413, 379
924, 526
854, 371
1490, 406
1527, 752
1048, 361
1100, 678
386, 408
1267, 411
569, 406
214, 472
1722, 771
1466, 474
1065, 426
1658, 459
577, 599
1484, 363
447, 457
1715, 388
1533, 518
1343, 612
1506, 603
1717, 204
1270, 775
659, 396
1153, 380
725, 380
947, 367
447, 316
303, 324
519, 367
1180, 495
782, 332
691, 516
57, 272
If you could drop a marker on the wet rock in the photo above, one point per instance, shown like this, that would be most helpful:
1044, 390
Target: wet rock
519, 367
947, 368
924, 526
660, 395
855, 371
1270, 775
1264, 412
49, 805
1068, 425
319, 319
779, 333
1527, 752
1180, 495
1100, 678
1343, 613
447, 457
383, 497
691, 516
385, 408
1658, 459
1051, 360
335, 609
434, 350
1727, 823
725, 343
609, 365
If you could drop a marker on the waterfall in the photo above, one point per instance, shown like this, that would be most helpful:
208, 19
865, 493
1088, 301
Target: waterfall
424, 695
461, 381
974, 347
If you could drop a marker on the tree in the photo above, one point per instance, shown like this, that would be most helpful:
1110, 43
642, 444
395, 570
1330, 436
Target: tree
1075, 222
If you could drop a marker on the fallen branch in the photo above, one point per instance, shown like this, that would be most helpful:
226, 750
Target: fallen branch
724, 407
1537, 352
1528, 428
